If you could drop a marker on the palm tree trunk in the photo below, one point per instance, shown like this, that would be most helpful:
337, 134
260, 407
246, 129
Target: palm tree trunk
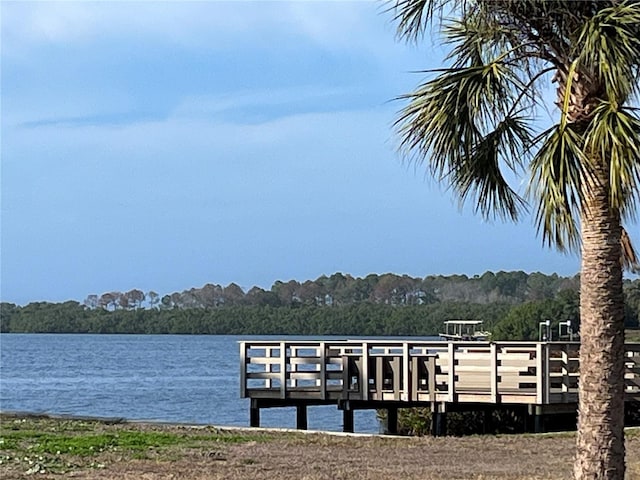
600, 440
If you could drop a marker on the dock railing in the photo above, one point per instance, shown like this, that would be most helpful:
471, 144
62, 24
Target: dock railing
534, 373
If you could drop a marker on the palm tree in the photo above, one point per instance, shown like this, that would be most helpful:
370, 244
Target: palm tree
472, 126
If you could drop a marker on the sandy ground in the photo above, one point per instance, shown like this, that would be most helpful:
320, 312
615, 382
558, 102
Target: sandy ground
332, 457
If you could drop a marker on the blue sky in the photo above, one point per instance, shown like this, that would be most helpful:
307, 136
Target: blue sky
165, 145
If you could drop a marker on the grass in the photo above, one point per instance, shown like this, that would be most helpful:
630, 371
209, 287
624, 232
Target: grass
632, 335
42, 445
56, 448
90, 444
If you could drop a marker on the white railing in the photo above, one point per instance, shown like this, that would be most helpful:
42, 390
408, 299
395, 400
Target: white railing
406, 371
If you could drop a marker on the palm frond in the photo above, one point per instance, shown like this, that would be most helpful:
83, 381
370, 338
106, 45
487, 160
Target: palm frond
480, 176
469, 40
609, 46
475, 38
413, 16
557, 172
456, 123
629, 257
437, 125
614, 135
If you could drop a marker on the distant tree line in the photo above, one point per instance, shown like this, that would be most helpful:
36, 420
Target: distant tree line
511, 304
343, 290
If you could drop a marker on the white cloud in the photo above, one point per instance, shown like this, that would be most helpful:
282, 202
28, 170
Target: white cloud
353, 30
344, 25
53, 24
288, 142
211, 105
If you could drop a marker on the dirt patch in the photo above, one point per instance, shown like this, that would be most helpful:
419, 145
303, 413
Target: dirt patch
201, 453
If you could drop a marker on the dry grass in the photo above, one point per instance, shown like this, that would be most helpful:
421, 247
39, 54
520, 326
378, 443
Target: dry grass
632, 335
178, 452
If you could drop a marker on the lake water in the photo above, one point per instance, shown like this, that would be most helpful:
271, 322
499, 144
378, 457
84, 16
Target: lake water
175, 378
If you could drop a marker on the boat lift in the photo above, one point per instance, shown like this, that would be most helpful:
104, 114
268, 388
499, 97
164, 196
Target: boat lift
464, 330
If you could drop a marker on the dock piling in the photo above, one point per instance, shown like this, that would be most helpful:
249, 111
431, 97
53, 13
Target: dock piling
392, 420
438, 420
254, 413
301, 417
347, 421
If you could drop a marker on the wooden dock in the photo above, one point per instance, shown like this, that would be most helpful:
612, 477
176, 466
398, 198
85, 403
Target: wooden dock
392, 374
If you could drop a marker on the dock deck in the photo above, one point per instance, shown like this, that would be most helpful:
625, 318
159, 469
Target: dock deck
391, 374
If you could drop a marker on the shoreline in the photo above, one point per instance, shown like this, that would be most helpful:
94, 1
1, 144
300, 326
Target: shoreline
19, 414
58, 446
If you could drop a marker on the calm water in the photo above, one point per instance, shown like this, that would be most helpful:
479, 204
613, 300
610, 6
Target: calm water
179, 378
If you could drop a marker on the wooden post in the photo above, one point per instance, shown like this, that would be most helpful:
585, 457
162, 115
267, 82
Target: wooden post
379, 371
431, 366
438, 420
565, 370
487, 421
346, 377
536, 419
494, 372
364, 377
323, 370
406, 376
539, 420
254, 413
283, 370
392, 420
268, 353
243, 369
415, 382
540, 374
301, 416
396, 368
547, 386
347, 420
452, 373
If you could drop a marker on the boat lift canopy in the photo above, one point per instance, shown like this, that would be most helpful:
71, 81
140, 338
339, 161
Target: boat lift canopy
464, 330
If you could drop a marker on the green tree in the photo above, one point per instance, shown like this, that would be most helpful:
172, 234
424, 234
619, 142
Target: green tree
523, 321
632, 303
258, 296
471, 124
7, 311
